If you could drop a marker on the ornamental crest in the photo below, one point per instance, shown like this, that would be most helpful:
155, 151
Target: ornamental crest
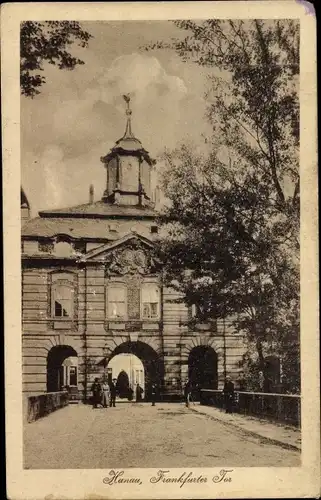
130, 260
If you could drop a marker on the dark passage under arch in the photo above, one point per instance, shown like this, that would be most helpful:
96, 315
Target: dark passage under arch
202, 367
56, 356
153, 364
123, 384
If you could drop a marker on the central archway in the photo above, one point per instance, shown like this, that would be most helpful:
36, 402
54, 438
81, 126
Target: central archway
129, 371
152, 363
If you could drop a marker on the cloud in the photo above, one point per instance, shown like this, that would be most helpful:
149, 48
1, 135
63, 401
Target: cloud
135, 74
65, 134
97, 111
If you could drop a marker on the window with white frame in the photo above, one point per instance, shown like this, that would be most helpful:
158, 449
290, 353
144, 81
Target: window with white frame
117, 301
150, 301
62, 299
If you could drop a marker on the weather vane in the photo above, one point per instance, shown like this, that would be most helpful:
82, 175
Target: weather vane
127, 100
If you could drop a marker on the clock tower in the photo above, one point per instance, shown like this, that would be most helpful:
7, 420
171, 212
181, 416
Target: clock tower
128, 167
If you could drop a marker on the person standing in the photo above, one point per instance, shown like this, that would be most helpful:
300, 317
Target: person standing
96, 391
139, 393
113, 392
154, 394
187, 393
228, 392
105, 394
130, 393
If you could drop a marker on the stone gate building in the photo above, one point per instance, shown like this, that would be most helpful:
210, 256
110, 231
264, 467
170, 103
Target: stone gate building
91, 289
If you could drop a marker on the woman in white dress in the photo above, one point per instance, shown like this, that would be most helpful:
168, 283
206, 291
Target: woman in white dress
105, 394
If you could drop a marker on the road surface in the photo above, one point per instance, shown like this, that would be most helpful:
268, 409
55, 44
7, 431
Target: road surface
139, 435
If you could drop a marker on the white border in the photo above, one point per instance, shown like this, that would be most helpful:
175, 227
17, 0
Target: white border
247, 482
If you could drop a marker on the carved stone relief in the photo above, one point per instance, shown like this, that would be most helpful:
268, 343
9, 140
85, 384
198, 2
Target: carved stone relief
132, 259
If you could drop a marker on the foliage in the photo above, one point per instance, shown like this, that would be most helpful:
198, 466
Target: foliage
233, 215
47, 41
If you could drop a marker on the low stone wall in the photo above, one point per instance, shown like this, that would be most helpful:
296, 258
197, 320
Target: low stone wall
283, 408
42, 404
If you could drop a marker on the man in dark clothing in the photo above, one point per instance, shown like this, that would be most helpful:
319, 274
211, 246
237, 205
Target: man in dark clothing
139, 392
96, 390
228, 392
130, 393
154, 393
113, 393
187, 392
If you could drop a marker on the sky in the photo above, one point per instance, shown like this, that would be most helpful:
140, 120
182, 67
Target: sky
80, 114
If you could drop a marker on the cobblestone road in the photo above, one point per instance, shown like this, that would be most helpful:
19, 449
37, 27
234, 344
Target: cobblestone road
139, 435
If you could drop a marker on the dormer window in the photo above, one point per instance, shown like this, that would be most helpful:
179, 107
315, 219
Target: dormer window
63, 249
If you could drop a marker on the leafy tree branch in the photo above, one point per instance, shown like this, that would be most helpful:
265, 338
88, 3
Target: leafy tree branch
47, 41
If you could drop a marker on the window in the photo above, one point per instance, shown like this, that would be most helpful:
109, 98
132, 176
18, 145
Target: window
154, 229
62, 300
116, 295
150, 301
193, 311
72, 375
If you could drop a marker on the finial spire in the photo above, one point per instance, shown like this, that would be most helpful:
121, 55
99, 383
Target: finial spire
128, 132
91, 194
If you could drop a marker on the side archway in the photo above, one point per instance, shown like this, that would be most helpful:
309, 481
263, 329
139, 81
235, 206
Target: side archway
62, 368
202, 367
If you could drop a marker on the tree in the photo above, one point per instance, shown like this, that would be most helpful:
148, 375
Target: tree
233, 217
47, 41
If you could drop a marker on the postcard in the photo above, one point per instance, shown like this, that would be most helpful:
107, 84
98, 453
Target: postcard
161, 276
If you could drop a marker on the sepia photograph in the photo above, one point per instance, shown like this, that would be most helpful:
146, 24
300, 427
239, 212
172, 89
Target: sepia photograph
161, 231
160, 243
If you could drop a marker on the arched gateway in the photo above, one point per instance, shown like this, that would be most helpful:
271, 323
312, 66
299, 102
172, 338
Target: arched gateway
62, 368
152, 362
202, 367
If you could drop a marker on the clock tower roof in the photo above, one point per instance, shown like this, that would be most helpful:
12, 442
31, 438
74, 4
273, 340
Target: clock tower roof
128, 144
128, 166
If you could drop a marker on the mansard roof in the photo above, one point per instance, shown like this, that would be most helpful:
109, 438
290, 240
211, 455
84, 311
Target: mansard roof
132, 237
41, 227
101, 209
74, 228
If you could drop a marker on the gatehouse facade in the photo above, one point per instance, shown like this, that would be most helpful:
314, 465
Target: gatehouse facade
92, 289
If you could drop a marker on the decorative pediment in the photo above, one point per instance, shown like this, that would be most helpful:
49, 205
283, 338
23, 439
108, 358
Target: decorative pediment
129, 260
129, 255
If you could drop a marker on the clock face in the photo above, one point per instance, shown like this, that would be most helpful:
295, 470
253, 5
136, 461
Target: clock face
129, 174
